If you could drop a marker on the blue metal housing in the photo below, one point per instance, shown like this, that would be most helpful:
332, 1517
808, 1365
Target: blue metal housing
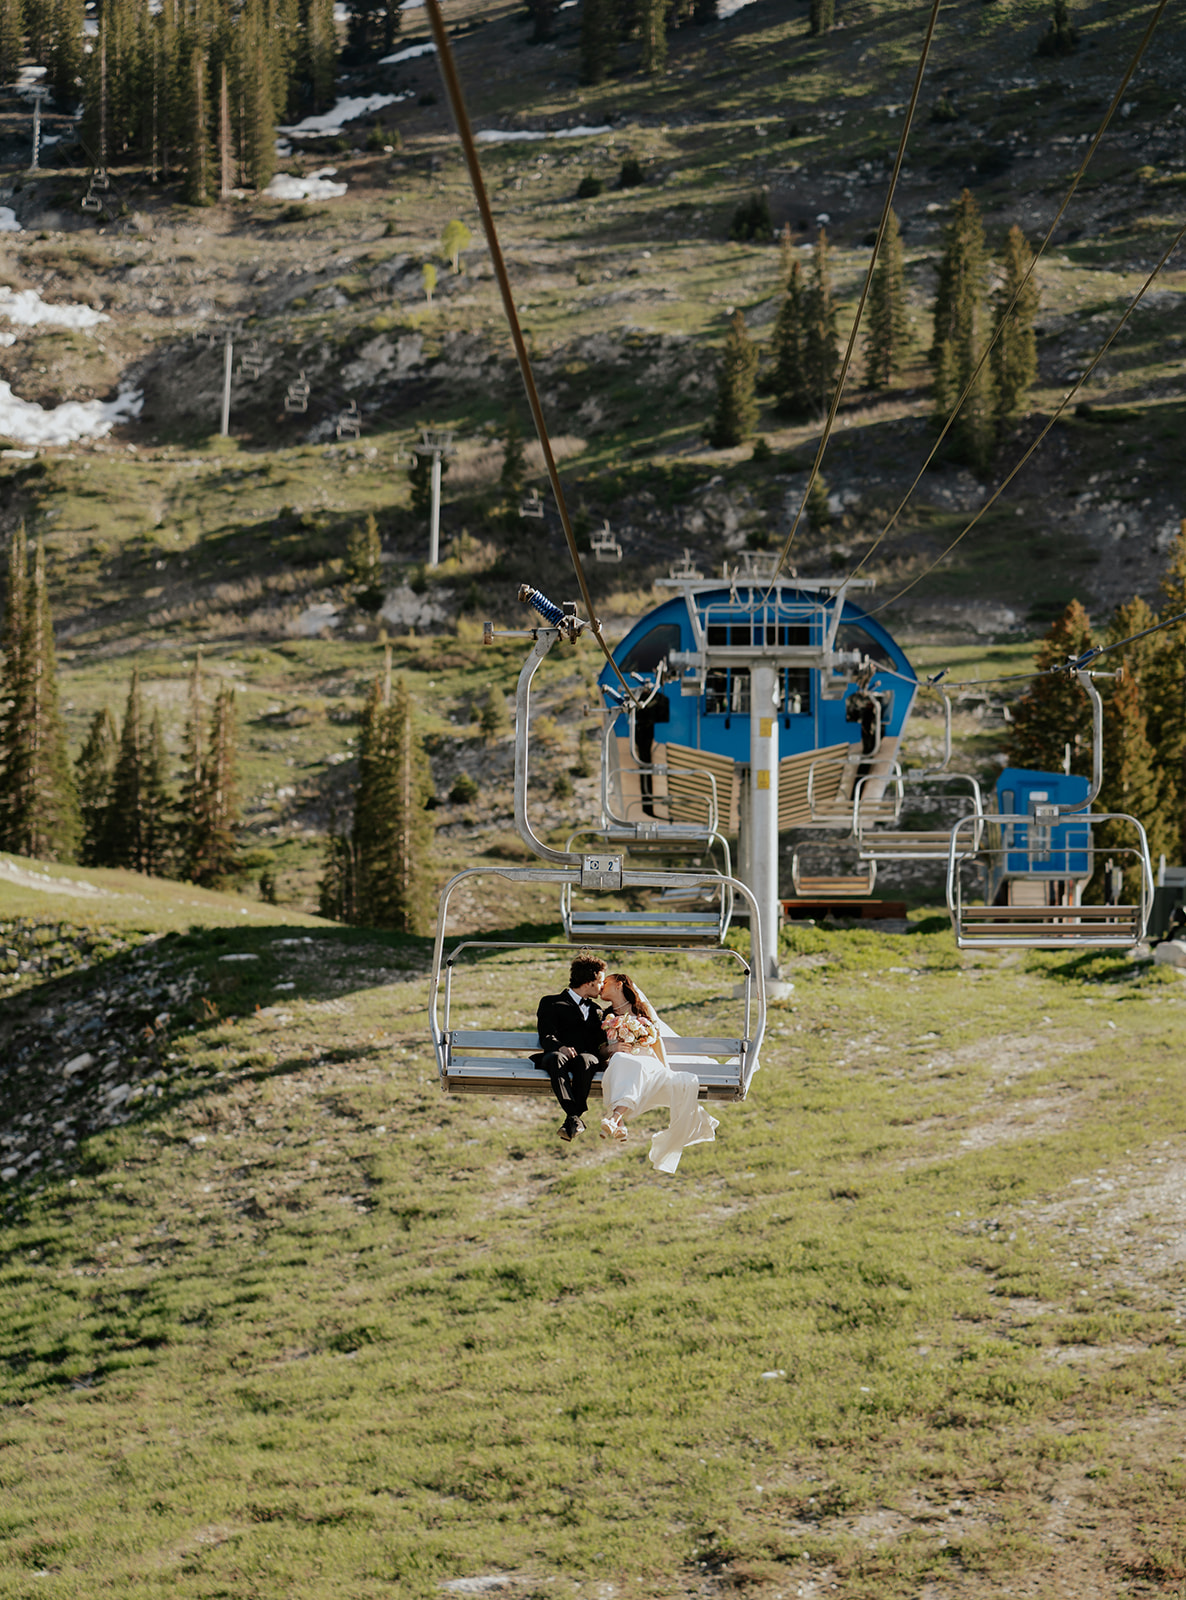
1040, 850
792, 622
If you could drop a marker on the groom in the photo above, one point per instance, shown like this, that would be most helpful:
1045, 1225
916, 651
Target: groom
571, 1036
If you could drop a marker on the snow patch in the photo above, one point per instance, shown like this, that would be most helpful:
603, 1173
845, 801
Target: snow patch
508, 135
316, 186
313, 619
12, 872
344, 110
408, 53
8, 222
28, 423
27, 309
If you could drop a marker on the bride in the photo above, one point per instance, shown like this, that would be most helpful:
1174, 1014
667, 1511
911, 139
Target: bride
637, 1077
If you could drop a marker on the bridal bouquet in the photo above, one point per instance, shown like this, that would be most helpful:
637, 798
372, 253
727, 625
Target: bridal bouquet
628, 1030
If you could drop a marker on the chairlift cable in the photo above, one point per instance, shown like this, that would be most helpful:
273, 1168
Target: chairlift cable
1062, 406
834, 406
452, 83
1041, 250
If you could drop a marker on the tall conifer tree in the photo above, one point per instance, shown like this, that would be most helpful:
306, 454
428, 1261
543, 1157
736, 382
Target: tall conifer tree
737, 409
1054, 712
790, 372
135, 830
40, 806
93, 773
598, 40
391, 825
885, 342
654, 36
1014, 356
12, 36
1164, 687
958, 336
821, 344
1130, 782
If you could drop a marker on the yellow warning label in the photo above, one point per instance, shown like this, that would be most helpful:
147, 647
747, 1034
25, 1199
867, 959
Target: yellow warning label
765, 727
763, 779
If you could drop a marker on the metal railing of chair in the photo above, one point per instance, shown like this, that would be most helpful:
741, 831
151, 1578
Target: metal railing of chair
845, 811
650, 769
719, 885
754, 984
1050, 927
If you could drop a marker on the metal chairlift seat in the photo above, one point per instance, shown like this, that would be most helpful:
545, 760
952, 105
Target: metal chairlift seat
920, 844
533, 506
251, 362
497, 1061
1037, 856
1037, 867
297, 397
825, 788
829, 885
604, 546
349, 423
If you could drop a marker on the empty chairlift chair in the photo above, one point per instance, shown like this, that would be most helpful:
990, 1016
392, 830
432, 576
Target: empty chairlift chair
297, 397
683, 913
1039, 855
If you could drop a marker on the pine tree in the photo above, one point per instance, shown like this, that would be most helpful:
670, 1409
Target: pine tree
194, 124
12, 33
737, 408
1054, 712
1143, 669
1015, 354
790, 372
598, 41
1060, 39
493, 717
654, 36
12, 639
822, 16
92, 775
123, 841
543, 18
1130, 782
38, 803
885, 342
336, 892
514, 462
821, 344
392, 827
1163, 687
371, 27
63, 50
157, 802
957, 342
317, 64
211, 849
193, 782
364, 554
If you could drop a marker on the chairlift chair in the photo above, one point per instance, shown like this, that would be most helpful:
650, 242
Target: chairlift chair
604, 546
924, 844
476, 1062
251, 362
533, 506
685, 569
829, 885
1036, 859
90, 201
349, 423
297, 397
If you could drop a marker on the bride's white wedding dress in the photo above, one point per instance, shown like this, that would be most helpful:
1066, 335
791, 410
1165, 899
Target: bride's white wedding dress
641, 1083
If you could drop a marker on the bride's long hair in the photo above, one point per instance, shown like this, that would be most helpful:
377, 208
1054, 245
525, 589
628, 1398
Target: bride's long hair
635, 999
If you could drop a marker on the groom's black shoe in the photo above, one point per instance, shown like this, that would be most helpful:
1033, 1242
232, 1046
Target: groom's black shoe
572, 1126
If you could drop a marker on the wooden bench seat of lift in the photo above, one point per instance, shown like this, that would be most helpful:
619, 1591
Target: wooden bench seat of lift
653, 926
1074, 924
832, 888
925, 845
499, 1063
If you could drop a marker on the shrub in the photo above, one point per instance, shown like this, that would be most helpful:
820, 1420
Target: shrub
944, 110
761, 450
631, 174
751, 220
589, 187
562, 788
464, 789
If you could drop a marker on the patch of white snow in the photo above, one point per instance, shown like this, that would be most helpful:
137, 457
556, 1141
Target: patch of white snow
408, 53
343, 111
8, 222
28, 423
27, 309
316, 186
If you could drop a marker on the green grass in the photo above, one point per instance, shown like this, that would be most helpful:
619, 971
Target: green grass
303, 1325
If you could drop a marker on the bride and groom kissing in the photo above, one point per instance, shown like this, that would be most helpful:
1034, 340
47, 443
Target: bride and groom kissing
603, 1022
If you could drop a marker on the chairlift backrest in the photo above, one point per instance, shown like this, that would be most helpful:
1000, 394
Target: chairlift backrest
533, 506
297, 397
349, 424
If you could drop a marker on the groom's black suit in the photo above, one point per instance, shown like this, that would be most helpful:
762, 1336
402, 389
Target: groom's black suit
561, 1023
